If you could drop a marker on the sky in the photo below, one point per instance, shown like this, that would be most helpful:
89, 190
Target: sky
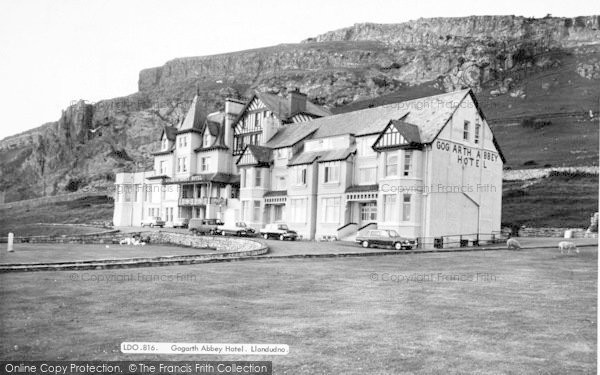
54, 52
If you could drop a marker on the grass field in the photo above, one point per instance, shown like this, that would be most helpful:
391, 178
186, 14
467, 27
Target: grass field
21, 220
559, 201
532, 311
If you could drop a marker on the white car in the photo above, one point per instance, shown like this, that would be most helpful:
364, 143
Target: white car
181, 222
153, 221
237, 229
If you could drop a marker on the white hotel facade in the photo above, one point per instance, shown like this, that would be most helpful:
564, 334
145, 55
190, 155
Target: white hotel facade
426, 168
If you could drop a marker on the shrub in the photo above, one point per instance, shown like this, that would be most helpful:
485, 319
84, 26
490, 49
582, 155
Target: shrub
530, 162
73, 184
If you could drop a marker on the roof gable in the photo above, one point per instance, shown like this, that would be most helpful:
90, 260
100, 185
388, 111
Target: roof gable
194, 117
398, 134
255, 155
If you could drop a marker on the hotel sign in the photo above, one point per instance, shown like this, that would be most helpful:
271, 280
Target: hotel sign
468, 156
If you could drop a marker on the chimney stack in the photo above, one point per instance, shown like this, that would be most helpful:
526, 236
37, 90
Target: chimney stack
297, 101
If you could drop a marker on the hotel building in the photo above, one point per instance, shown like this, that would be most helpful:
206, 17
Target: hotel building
426, 168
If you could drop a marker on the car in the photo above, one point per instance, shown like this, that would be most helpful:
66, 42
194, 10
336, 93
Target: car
153, 221
280, 231
238, 229
204, 226
385, 237
180, 222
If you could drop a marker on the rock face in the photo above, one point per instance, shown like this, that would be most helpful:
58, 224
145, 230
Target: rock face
91, 141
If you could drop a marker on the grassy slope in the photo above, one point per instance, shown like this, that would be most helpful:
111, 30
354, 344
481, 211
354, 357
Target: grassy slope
81, 211
537, 315
551, 202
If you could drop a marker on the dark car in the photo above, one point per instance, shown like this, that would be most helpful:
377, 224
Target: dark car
204, 226
237, 229
385, 237
280, 231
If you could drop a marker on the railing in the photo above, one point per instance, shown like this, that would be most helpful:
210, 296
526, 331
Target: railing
202, 201
347, 230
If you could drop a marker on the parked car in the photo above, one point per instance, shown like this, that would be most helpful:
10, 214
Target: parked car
153, 221
180, 222
384, 237
237, 229
280, 231
204, 226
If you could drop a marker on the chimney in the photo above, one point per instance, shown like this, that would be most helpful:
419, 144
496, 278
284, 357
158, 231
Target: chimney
297, 101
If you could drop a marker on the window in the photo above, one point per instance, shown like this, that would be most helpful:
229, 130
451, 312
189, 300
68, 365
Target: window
389, 208
256, 211
163, 167
148, 193
278, 212
301, 175
406, 208
206, 139
135, 192
281, 153
256, 119
367, 175
163, 192
257, 177
204, 164
243, 177
391, 165
245, 210
477, 130
298, 210
331, 172
466, 130
408, 156
331, 210
127, 192
165, 144
368, 212
182, 141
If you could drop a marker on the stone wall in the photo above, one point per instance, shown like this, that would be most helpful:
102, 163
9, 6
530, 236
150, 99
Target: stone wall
529, 174
555, 232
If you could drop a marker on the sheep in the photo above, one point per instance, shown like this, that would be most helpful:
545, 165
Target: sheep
567, 245
511, 243
126, 241
135, 241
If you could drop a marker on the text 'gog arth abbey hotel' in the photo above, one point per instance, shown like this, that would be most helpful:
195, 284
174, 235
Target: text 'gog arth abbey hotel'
426, 168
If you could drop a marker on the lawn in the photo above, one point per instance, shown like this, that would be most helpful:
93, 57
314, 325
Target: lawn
532, 311
54, 253
22, 220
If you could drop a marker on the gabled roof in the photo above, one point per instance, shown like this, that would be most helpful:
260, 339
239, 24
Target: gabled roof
410, 132
280, 107
430, 114
262, 155
194, 117
170, 131
291, 134
215, 124
322, 156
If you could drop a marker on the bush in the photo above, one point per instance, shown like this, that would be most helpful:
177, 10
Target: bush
530, 162
73, 184
535, 123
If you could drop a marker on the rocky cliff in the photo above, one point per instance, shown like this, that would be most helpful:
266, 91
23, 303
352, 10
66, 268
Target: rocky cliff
93, 140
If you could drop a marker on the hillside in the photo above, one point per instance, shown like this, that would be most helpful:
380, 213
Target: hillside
518, 67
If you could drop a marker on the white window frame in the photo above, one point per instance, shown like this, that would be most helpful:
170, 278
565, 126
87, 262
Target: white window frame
331, 209
390, 208
466, 130
477, 131
256, 211
362, 175
204, 164
388, 165
300, 173
407, 169
258, 180
406, 206
331, 172
298, 208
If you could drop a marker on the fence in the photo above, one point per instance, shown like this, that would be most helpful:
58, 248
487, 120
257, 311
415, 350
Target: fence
461, 240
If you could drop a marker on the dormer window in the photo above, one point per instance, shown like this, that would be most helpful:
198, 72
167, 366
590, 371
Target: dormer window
165, 144
206, 139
